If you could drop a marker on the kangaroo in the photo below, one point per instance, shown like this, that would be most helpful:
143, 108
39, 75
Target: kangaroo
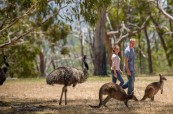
152, 89
115, 91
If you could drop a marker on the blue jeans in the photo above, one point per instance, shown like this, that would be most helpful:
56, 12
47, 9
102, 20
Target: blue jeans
130, 83
119, 77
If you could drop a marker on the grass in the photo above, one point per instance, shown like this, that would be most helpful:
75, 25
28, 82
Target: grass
33, 95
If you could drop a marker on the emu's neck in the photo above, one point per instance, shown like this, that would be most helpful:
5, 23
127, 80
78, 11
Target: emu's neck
5, 62
85, 70
85, 65
5, 68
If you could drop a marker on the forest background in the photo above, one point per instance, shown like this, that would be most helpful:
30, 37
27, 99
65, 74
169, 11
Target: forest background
38, 36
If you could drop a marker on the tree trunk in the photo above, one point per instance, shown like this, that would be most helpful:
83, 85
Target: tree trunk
164, 47
100, 67
162, 41
148, 51
108, 43
171, 27
37, 65
139, 52
42, 65
82, 44
91, 44
108, 46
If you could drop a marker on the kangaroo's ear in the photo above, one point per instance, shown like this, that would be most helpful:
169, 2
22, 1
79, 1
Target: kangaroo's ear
160, 76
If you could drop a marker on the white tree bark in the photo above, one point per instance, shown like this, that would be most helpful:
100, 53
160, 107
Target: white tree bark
160, 7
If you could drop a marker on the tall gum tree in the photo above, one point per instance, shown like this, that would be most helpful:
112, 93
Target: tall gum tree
94, 12
99, 47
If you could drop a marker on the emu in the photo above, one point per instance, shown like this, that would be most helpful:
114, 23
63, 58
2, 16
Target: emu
68, 76
152, 89
3, 70
115, 91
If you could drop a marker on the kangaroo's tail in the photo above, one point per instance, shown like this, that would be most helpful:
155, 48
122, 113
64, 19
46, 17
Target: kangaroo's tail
100, 99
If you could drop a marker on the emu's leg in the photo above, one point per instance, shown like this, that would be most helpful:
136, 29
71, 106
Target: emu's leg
106, 100
61, 95
152, 98
65, 95
74, 84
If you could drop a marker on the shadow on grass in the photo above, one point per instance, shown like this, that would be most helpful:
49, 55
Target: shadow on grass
33, 106
81, 106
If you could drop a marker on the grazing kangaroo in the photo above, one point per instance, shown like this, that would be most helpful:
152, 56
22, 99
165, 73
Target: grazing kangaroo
113, 91
153, 88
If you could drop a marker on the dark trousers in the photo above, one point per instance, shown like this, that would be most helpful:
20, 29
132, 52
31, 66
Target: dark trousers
130, 83
119, 77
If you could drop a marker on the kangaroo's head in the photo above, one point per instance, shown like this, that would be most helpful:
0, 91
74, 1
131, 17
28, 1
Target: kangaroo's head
162, 77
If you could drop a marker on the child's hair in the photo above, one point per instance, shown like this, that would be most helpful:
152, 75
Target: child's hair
115, 47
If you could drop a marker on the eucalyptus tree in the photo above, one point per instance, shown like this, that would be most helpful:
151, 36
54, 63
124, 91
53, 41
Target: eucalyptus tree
137, 16
122, 19
163, 26
47, 35
21, 20
128, 20
94, 12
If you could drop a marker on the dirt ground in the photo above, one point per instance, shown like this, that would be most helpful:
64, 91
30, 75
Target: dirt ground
35, 96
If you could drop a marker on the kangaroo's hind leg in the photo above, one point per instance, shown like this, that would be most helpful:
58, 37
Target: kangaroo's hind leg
106, 100
152, 98
144, 97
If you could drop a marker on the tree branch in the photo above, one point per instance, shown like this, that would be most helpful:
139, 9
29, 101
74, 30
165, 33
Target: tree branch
14, 40
133, 32
112, 32
160, 7
130, 32
17, 19
168, 33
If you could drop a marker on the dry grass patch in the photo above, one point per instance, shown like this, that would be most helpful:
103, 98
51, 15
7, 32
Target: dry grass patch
35, 96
